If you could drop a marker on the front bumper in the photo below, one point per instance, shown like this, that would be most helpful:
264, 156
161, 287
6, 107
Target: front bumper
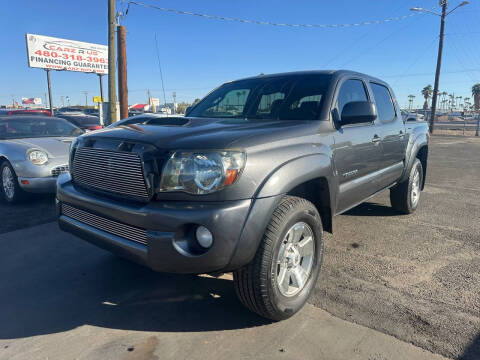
38, 185
170, 228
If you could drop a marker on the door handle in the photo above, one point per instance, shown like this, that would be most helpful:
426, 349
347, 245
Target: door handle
376, 139
401, 134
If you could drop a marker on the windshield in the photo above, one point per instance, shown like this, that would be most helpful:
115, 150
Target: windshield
33, 127
290, 97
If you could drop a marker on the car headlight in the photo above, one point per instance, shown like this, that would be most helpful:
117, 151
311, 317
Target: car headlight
37, 157
201, 172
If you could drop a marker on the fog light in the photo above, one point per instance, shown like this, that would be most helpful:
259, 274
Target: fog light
204, 237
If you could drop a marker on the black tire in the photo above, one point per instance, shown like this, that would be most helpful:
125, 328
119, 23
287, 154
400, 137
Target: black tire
401, 194
18, 193
256, 283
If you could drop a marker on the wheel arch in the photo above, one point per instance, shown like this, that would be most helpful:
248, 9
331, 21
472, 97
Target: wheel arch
422, 155
418, 146
309, 177
317, 191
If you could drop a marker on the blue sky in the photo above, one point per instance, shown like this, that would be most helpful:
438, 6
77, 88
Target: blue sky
197, 54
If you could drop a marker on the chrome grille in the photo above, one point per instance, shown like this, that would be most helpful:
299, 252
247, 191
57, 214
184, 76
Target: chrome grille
111, 171
56, 171
113, 227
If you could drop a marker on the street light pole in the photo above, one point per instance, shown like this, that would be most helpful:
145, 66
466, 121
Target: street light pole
439, 65
443, 15
112, 93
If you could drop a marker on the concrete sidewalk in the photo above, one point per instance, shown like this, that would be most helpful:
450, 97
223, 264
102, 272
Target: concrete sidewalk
312, 334
65, 299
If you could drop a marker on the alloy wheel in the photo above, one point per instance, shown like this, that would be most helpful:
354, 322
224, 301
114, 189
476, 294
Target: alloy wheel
295, 259
8, 183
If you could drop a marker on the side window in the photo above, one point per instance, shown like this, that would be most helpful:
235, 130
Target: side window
385, 108
351, 90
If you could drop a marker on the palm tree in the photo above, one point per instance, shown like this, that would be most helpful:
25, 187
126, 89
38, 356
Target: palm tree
476, 96
411, 97
452, 101
238, 97
427, 94
444, 95
444, 104
459, 98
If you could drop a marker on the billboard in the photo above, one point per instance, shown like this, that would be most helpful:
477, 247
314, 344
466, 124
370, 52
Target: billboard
47, 52
31, 101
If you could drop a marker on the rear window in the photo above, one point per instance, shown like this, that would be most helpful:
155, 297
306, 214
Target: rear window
83, 120
15, 127
383, 99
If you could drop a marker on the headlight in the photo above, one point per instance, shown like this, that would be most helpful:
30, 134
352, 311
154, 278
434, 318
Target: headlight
37, 157
201, 172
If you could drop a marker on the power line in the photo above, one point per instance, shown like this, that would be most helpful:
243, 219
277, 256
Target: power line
416, 60
430, 73
260, 22
376, 44
160, 69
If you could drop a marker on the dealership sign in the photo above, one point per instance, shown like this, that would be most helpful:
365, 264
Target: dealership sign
31, 101
60, 54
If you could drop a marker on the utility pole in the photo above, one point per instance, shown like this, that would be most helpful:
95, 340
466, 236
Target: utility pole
86, 97
443, 15
174, 102
122, 71
439, 65
101, 109
101, 86
49, 91
112, 96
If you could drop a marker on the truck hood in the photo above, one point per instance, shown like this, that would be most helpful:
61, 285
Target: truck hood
202, 133
53, 146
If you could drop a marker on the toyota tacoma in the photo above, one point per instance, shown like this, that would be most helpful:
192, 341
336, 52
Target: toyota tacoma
247, 181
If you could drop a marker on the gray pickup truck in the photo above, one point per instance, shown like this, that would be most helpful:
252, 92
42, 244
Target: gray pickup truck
247, 181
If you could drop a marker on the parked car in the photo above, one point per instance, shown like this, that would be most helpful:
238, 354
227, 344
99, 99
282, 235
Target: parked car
411, 116
40, 112
248, 188
85, 122
91, 111
69, 109
33, 152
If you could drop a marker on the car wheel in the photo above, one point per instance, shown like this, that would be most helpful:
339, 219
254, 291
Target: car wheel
405, 196
283, 273
10, 189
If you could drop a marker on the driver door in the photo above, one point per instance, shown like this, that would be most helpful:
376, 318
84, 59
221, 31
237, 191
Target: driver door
357, 153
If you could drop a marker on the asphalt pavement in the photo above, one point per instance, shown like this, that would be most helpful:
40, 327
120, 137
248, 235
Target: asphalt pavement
391, 287
416, 277
35, 210
65, 299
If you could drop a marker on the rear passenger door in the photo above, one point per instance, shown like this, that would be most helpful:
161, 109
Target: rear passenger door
392, 133
357, 152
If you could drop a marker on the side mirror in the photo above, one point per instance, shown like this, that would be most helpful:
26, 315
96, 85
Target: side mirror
357, 112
